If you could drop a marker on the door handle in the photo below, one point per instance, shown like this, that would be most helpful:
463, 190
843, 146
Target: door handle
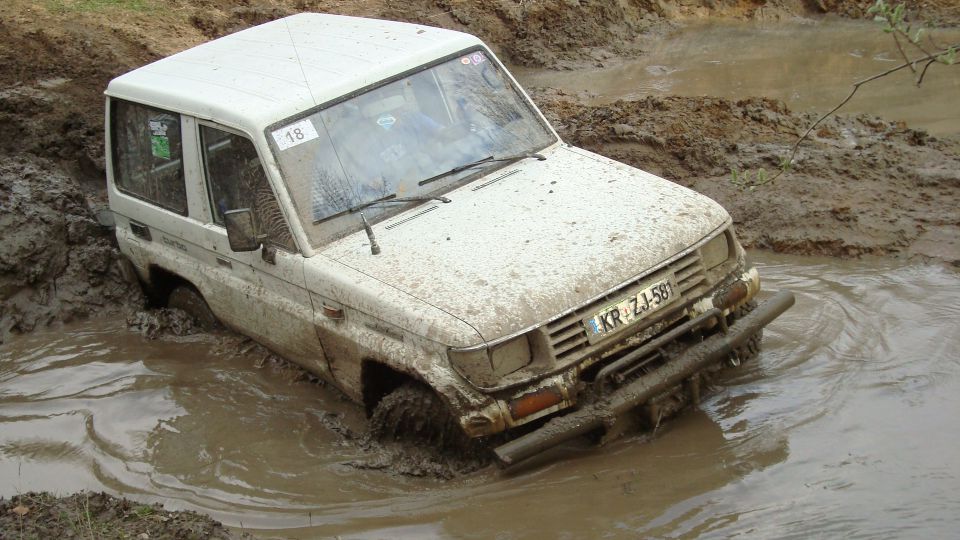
224, 263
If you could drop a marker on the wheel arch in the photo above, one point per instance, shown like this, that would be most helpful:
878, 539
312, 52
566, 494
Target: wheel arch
378, 379
161, 282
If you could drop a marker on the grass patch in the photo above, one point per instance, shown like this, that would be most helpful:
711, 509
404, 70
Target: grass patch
144, 511
98, 516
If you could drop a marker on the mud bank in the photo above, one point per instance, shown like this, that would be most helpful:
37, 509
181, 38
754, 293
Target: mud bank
560, 33
934, 12
860, 185
56, 261
58, 57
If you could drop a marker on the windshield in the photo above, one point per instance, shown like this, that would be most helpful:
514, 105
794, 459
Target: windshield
385, 142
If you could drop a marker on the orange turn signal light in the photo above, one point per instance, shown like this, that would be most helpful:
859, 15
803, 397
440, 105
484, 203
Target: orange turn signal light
535, 401
731, 295
332, 312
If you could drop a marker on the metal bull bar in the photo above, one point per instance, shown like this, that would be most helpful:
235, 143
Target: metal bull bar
636, 393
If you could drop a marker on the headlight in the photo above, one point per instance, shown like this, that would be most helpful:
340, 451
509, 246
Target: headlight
510, 356
485, 366
473, 365
715, 252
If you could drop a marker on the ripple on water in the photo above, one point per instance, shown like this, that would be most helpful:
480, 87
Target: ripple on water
844, 426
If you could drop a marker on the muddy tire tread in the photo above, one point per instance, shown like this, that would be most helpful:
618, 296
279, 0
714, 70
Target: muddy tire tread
189, 300
413, 413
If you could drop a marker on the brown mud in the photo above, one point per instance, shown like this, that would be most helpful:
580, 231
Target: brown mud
99, 515
381, 446
58, 56
839, 428
861, 185
56, 261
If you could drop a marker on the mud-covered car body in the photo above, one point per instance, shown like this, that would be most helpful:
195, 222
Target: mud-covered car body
520, 268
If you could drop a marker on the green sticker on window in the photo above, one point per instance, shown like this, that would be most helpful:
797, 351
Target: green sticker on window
160, 146
159, 142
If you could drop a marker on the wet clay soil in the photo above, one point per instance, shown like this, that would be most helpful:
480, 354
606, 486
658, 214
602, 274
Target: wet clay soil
861, 185
836, 429
100, 515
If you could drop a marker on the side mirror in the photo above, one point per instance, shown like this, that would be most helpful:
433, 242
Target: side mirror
241, 230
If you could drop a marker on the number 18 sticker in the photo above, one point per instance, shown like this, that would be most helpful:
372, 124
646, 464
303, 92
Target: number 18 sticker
294, 134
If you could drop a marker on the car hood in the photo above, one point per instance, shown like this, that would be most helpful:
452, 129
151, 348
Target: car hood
534, 239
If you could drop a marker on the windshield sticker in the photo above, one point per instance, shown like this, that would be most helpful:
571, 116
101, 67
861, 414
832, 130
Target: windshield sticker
475, 59
386, 121
393, 153
296, 133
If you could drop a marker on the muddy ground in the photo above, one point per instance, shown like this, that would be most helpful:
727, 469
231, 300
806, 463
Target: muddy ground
861, 185
99, 515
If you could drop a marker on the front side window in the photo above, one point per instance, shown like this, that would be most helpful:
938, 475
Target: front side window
401, 139
235, 179
148, 154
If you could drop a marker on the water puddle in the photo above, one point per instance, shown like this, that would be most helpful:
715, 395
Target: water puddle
845, 424
809, 66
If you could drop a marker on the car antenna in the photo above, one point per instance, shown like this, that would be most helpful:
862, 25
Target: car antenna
374, 246
299, 63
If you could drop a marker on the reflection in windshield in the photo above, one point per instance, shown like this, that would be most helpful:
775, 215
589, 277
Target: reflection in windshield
384, 142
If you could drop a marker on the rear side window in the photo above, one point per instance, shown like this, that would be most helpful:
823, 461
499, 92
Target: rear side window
148, 154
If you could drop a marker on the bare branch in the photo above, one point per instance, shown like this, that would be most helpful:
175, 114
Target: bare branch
903, 53
929, 59
925, 68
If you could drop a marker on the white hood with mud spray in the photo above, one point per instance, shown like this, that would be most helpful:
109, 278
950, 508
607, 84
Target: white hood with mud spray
533, 239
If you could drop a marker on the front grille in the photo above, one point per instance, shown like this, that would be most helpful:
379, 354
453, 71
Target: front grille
566, 335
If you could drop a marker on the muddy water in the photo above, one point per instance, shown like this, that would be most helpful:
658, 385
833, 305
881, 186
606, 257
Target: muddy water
846, 425
809, 66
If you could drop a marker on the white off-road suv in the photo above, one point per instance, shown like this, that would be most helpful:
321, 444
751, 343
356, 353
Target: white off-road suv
382, 204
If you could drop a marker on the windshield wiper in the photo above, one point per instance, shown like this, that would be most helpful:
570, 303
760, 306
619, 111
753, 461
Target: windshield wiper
479, 162
395, 199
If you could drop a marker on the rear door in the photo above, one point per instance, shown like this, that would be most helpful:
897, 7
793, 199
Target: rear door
153, 187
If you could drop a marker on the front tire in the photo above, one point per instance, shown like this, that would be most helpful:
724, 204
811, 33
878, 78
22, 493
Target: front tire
189, 300
413, 413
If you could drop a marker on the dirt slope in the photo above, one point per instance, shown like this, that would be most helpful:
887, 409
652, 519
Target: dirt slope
58, 55
56, 262
861, 185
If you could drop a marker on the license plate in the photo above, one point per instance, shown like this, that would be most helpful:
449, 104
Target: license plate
631, 309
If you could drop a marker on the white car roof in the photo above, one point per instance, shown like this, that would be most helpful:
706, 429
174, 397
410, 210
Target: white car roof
261, 75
